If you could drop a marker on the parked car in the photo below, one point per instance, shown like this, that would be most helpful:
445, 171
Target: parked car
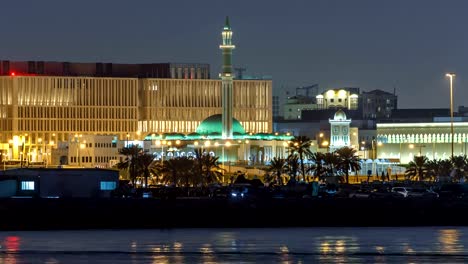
221, 192
402, 190
385, 193
239, 191
422, 193
360, 193
453, 190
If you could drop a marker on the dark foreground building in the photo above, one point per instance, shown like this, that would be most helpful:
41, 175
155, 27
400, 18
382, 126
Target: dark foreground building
58, 183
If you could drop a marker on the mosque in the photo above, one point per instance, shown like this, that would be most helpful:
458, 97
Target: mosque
221, 134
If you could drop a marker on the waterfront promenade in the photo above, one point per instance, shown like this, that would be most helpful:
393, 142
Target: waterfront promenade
37, 214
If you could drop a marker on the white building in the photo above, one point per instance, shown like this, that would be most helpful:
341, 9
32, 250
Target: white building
339, 130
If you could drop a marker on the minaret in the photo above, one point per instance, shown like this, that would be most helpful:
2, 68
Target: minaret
226, 80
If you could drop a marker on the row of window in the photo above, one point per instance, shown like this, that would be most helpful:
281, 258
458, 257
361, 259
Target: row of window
98, 112
87, 159
100, 125
104, 185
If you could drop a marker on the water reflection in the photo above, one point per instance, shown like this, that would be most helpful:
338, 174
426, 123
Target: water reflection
337, 245
449, 241
11, 244
280, 245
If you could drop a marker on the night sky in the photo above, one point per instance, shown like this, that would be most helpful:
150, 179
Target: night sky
371, 44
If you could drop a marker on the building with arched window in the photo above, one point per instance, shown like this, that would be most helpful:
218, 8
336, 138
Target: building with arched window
434, 140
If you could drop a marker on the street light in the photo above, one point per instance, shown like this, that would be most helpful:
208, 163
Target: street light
451, 75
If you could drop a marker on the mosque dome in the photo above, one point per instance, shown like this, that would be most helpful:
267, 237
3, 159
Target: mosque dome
214, 124
340, 115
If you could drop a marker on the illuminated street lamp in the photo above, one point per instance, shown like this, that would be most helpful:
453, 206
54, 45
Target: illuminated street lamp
451, 75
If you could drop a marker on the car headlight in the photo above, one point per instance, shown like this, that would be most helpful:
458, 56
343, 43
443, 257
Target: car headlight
234, 194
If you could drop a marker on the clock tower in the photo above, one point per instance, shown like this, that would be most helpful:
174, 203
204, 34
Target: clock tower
339, 131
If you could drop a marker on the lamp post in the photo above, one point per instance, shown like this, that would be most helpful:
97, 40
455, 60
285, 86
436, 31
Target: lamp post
451, 75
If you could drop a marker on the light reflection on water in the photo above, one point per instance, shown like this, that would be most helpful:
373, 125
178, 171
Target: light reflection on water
255, 245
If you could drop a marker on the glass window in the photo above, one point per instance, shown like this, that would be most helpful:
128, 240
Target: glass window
27, 185
108, 185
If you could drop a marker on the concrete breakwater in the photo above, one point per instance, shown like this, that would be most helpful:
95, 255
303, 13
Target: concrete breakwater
42, 214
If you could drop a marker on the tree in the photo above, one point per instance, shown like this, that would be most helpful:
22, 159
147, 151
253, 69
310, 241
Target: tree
177, 171
292, 165
459, 164
330, 161
208, 167
439, 168
417, 168
318, 159
277, 166
131, 161
348, 160
145, 162
301, 146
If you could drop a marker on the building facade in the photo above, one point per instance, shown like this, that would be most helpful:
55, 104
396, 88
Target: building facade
340, 132
378, 104
39, 110
101, 69
434, 140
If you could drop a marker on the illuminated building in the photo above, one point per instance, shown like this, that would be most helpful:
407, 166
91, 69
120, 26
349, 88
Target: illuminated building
226, 80
404, 141
41, 110
339, 127
100, 69
346, 98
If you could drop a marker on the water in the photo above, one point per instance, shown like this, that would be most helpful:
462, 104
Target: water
254, 245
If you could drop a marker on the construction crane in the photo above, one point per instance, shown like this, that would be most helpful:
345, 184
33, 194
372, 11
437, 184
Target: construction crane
239, 72
307, 89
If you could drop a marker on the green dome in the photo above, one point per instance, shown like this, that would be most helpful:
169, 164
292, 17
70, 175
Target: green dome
214, 124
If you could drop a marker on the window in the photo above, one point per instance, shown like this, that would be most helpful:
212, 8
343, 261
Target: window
108, 185
27, 185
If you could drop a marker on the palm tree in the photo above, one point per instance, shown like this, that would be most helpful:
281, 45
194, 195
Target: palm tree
331, 161
177, 171
439, 168
348, 160
185, 170
131, 161
318, 168
301, 146
146, 161
277, 166
417, 168
208, 167
292, 165
459, 165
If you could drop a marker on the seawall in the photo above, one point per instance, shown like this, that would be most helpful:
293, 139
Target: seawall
45, 214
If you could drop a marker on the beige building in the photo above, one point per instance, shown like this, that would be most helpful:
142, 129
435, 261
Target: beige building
40, 111
338, 98
434, 140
